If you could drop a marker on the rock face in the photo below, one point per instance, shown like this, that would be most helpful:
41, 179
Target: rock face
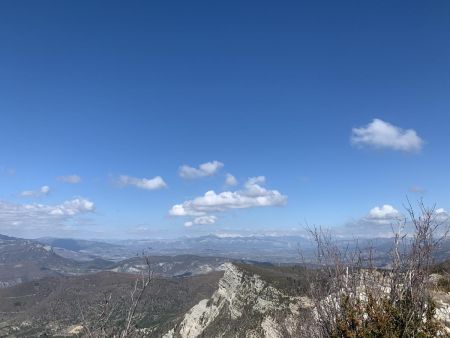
245, 301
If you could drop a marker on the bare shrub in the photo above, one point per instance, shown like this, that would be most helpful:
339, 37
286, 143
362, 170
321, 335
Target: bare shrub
352, 298
117, 316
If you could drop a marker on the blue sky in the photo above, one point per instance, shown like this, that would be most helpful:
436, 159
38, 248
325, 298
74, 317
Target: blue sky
101, 89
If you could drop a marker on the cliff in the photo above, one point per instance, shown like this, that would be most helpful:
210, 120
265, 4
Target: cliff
244, 305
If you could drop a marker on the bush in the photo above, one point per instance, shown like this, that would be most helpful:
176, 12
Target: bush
361, 301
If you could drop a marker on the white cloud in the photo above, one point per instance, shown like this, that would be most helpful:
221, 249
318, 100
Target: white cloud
381, 221
42, 191
381, 134
35, 216
142, 183
230, 180
377, 223
72, 179
210, 219
202, 220
72, 207
204, 169
441, 215
386, 212
253, 195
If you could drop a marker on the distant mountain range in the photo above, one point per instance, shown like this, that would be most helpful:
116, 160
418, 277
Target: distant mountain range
275, 249
260, 248
24, 260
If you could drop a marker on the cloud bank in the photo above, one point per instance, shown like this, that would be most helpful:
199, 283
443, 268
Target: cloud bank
36, 216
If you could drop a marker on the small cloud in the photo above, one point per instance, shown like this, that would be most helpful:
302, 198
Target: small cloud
204, 170
71, 179
381, 134
384, 221
377, 223
385, 213
230, 180
441, 215
142, 183
72, 207
417, 190
202, 220
42, 191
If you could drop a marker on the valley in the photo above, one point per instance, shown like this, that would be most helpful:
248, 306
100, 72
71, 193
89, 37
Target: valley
45, 294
